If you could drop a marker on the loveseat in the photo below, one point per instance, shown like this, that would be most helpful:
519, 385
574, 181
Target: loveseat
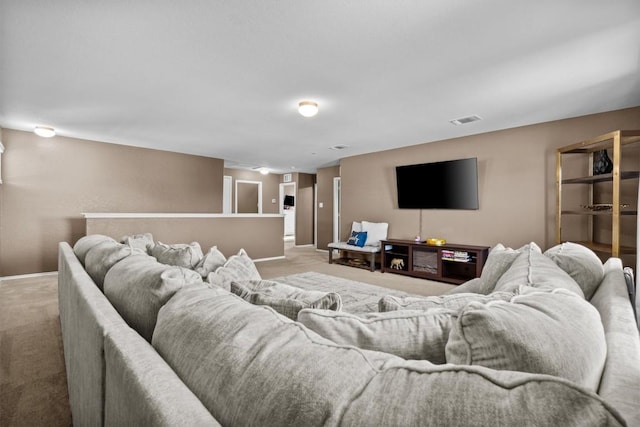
202, 340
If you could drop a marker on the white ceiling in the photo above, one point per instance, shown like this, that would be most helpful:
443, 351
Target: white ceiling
223, 78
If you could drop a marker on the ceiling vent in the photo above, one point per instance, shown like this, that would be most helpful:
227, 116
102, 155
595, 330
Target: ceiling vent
465, 120
338, 147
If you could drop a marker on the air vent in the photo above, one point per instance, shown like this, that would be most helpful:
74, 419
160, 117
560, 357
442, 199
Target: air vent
338, 147
465, 120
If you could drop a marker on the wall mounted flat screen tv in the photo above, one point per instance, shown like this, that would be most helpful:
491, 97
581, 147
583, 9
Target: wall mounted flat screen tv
451, 184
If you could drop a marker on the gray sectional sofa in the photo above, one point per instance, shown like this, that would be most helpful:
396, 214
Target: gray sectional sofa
540, 339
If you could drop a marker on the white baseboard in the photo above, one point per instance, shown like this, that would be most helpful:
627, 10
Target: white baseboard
269, 259
28, 276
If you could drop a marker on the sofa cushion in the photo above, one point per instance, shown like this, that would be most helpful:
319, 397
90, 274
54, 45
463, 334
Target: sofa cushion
358, 238
286, 300
84, 244
142, 241
532, 268
452, 302
103, 256
410, 334
556, 333
581, 263
210, 261
250, 366
180, 254
239, 268
376, 231
499, 260
140, 285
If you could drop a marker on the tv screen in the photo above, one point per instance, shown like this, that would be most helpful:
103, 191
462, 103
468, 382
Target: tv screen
451, 184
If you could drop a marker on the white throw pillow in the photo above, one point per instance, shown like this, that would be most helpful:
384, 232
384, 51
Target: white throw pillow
376, 231
238, 268
210, 262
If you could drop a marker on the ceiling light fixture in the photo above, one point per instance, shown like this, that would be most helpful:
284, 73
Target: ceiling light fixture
264, 171
45, 132
308, 108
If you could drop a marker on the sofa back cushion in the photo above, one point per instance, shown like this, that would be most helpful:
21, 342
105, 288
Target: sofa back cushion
449, 301
103, 256
532, 268
556, 333
581, 263
410, 334
179, 254
143, 241
84, 244
251, 366
139, 286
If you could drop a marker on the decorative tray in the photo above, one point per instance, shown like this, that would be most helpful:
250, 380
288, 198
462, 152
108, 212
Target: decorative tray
602, 207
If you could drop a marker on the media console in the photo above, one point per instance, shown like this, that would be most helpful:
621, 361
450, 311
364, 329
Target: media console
451, 263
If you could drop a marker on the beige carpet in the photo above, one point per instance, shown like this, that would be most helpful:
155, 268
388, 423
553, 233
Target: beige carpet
33, 388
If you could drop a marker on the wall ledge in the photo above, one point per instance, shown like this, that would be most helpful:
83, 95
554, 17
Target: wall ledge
91, 215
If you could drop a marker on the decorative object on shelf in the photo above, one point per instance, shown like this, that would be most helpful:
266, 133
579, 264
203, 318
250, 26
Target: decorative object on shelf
603, 207
435, 242
602, 163
418, 239
397, 263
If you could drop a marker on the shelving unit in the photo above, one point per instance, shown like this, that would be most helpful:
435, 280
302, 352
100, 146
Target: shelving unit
602, 189
449, 263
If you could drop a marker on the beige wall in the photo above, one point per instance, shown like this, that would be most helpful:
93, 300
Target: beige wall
325, 213
516, 169
49, 182
260, 237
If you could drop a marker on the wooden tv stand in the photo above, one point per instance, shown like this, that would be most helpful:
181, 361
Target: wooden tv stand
451, 263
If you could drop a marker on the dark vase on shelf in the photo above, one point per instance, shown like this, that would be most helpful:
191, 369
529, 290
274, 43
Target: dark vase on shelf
602, 163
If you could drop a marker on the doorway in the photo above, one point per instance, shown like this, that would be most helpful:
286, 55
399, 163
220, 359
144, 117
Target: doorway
288, 209
336, 209
248, 197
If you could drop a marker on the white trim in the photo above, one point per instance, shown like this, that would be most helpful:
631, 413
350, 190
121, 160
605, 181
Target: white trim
1, 148
175, 215
227, 193
304, 246
269, 259
322, 250
28, 276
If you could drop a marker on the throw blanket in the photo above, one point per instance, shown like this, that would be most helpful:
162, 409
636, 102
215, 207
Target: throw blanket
357, 297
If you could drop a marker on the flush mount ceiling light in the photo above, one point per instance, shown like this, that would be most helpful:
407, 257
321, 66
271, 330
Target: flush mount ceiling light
465, 120
45, 132
308, 108
264, 171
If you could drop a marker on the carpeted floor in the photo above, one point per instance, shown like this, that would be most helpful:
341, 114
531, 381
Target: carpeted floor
33, 387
